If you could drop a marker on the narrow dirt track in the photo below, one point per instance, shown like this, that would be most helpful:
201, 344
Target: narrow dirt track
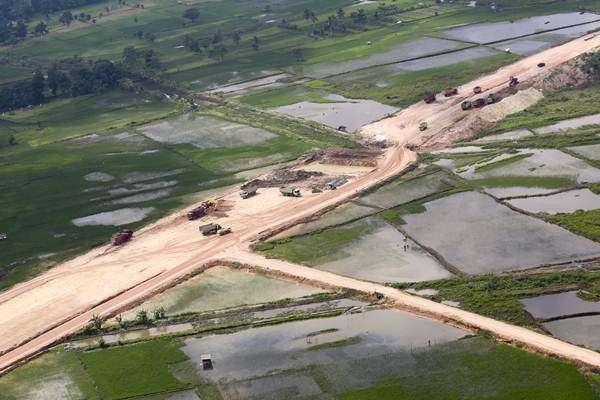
44, 310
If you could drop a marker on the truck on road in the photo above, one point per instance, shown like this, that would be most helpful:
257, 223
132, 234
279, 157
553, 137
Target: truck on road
209, 229
122, 237
247, 193
290, 191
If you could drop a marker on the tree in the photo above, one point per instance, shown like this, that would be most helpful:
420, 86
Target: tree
191, 43
192, 14
40, 29
216, 37
340, 13
236, 37
21, 29
106, 73
96, 322
38, 84
255, 43
218, 52
141, 317
58, 81
298, 54
66, 18
159, 313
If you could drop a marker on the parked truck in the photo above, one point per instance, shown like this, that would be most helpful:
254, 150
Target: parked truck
514, 81
290, 191
477, 89
450, 92
429, 98
201, 210
248, 192
466, 105
122, 237
209, 229
423, 126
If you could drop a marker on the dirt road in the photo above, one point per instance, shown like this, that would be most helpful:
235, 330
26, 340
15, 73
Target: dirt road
44, 310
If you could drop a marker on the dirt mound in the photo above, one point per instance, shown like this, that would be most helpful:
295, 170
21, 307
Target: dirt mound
563, 76
281, 177
363, 157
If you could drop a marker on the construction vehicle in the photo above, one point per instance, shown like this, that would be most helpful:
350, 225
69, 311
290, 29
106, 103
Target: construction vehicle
336, 183
290, 191
423, 126
122, 237
541, 65
246, 193
514, 81
450, 92
3, 235
201, 210
429, 98
492, 98
209, 229
466, 105
378, 295
225, 231
478, 103
477, 89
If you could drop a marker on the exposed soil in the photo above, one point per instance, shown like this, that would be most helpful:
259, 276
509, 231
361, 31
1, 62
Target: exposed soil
363, 157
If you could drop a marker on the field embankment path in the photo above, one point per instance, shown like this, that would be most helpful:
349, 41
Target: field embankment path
36, 314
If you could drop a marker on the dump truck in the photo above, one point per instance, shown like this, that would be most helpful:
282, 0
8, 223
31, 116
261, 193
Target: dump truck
514, 81
122, 237
290, 191
450, 92
541, 65
466, 105
429, 98
201, 210
225, 231
492, 98
477, 89
246, 193
209, 229
423, 126
336, 183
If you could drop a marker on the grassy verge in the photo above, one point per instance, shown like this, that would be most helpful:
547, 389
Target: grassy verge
497, 296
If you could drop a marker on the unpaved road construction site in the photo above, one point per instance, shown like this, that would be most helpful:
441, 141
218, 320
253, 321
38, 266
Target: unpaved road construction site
36, 314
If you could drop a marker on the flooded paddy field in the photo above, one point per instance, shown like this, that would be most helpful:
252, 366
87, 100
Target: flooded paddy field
526, 46
444, 59
512, 135
413, 49
591, 151
555, 305
222, 287
514, 191
569, 124
496, 31
477, 235
349, 113
582, 331
403, 191
565, 202
369, 249
541, 163
119, 217
206, 132
246, 86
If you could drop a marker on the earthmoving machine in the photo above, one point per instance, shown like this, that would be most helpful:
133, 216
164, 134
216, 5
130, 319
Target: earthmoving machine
247, 193
336, 183
122, 237
477, 89
225, 231
290, 191
541, 65
478, 103
514, 81
209, 229
492, 98
429, 98
201, 210
450, 92
423, 126
3, 235
466, 105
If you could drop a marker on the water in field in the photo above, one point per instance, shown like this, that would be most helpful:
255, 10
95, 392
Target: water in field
591, 151
565, 202
256, 352
142, 176
119, 217
582, 331
222, 287
512, 135
98, 177
496, 31
404, 191
558, 305
205, 132
525, 46
139, 198
443, 60
542, 162
351, 113
477, 235
404, 51
506, 192
569, 124
384, 255
458, 150
243, 87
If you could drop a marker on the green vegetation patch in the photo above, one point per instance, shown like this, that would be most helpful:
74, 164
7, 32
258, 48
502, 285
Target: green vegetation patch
134, 370
586, 223
338, 343
498, 296
474, 372
549, 182
502, 162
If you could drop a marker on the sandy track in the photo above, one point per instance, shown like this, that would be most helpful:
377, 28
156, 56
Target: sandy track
44, 310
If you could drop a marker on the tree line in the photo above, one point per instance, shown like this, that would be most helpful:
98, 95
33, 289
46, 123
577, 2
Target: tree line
76, 77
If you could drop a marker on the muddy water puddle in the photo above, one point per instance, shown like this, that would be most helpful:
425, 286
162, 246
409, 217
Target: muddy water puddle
384, 255
558, 305
495, 31
255, 352
477, 235
565, 202
351, 114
